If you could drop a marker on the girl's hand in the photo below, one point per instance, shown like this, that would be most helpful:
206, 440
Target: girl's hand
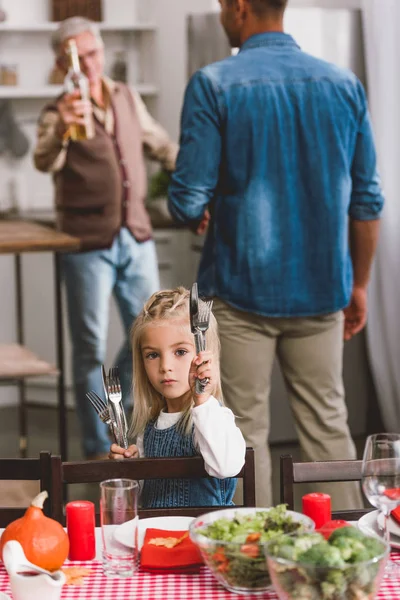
118, 453
202, 367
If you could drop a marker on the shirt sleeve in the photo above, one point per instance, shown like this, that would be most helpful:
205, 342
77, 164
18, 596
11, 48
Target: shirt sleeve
367, 196
195, 179
156, 142
218, 439
51, 151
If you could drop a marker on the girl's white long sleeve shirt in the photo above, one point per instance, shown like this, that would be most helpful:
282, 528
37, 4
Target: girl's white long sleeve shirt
216, 435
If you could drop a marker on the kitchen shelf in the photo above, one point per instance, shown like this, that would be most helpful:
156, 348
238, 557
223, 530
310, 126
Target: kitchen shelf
52, 26
51, 91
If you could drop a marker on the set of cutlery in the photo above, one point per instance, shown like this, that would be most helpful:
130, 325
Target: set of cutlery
111, 411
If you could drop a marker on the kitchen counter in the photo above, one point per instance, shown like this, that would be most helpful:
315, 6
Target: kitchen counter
160, 218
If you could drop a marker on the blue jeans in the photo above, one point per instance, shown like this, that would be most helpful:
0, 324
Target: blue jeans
129, 271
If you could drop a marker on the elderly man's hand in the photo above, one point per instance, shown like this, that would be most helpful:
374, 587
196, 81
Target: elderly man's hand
73, 111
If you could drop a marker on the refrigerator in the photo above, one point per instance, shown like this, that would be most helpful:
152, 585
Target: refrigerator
335, 35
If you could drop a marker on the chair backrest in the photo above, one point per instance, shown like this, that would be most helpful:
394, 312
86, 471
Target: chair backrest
319, 472
26, 469
142, 468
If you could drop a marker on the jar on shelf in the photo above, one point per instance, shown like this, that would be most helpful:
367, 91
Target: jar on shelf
56, 76
9, 75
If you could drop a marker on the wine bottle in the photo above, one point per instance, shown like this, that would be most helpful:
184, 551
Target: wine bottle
76, 80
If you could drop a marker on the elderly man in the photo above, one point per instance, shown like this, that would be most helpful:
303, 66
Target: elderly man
278, 145
100, 191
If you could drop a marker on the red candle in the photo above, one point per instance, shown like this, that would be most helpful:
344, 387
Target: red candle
317, 506
80, 529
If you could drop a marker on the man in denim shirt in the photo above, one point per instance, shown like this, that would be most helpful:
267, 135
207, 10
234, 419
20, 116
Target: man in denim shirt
277, 154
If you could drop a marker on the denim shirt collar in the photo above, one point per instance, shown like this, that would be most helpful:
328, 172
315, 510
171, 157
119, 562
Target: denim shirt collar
272, 38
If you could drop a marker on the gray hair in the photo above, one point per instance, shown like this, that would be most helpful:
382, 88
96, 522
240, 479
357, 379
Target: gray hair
72, 27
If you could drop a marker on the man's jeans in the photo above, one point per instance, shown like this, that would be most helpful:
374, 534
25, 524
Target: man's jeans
129, 271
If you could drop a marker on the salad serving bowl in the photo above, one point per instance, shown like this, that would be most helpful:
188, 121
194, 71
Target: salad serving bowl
349, 565
232, 540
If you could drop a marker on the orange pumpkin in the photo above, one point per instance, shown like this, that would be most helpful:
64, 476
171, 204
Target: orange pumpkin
44, 540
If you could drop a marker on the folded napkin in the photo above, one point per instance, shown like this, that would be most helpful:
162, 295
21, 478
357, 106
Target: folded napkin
184, 557
396, 514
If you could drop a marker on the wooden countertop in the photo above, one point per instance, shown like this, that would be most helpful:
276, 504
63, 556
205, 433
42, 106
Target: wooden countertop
158, 213
17, 236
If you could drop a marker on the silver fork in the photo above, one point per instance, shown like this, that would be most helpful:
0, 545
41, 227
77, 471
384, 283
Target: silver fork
102, 410
203, 320
115, 398
200, 313
114, 373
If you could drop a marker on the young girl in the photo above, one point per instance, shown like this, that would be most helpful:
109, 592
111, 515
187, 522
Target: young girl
169, 417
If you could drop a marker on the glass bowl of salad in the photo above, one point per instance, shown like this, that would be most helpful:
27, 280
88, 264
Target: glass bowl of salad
349, 565
232, 541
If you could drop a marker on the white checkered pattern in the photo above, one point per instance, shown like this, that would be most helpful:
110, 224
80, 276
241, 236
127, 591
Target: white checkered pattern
144, 586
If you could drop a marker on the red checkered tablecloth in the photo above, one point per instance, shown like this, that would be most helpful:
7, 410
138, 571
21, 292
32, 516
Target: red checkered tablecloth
144, 586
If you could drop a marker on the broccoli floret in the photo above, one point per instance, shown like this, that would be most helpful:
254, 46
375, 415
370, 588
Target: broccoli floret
322, 555
373, 547
285, 546
352, 550
282, 545
348, 532
329, 591
354, 545
304, 542
338, 579
287, 552
306, 592
362, 576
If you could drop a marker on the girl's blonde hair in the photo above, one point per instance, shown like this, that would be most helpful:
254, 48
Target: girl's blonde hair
167, 305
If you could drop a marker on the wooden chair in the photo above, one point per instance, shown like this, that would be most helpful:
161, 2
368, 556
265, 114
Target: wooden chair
26, 469
142, 468
318, 472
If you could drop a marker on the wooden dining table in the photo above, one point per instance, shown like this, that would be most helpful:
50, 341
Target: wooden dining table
148, 586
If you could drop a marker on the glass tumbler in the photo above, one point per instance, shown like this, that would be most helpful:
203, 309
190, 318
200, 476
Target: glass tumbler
118, 508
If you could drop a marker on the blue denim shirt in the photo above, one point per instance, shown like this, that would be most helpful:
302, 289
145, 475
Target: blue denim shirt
279, 145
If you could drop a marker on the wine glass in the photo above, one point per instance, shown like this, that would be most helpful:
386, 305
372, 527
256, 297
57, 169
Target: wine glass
381, 479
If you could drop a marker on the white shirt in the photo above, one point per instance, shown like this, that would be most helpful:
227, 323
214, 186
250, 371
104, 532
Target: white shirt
216, 435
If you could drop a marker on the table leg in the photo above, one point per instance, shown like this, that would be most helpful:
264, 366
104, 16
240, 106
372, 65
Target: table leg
23, 439
62, 412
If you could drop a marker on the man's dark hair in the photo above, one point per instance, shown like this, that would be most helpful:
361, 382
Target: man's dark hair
261, 7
